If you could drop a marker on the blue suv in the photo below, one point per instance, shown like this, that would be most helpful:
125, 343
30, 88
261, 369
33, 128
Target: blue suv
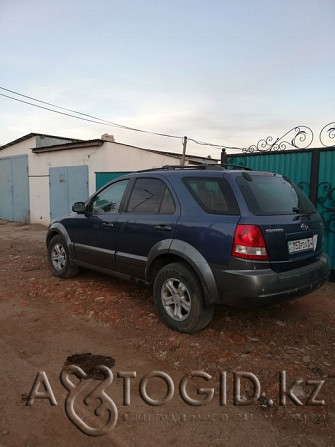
201, 236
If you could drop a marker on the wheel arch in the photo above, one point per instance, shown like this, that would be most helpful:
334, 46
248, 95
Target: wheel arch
58, 229
179, 251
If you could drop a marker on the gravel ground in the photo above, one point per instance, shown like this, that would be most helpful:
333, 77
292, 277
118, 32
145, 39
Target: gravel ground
297, 337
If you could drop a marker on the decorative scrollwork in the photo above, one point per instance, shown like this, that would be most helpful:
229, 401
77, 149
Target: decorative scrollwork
300, 137
327, 135
326, 200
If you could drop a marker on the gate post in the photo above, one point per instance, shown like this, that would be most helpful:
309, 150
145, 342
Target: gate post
223, 156
314, 179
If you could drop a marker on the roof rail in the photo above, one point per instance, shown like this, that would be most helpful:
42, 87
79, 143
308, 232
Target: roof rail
210, 166
206, 166
236, 166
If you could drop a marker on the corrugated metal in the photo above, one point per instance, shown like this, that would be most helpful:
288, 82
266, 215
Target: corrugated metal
326, 200
295, 165
47, 140
101, 178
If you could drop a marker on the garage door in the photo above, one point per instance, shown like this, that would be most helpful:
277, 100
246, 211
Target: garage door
14, 188
68, 184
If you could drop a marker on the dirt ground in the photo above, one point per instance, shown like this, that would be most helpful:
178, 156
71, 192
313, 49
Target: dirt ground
45, 320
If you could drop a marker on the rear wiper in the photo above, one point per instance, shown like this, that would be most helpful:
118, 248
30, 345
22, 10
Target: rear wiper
301, 213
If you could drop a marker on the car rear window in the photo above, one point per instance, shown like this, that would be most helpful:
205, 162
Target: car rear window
273, 194
214, 195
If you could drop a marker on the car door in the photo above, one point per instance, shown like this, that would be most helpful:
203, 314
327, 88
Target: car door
149, 217
94, 233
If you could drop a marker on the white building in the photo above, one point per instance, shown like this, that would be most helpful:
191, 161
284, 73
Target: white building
42, 175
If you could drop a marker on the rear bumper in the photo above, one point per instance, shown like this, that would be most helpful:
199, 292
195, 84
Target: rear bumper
252, 288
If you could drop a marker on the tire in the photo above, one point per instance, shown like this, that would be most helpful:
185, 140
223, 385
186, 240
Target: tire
59, 258
179, 299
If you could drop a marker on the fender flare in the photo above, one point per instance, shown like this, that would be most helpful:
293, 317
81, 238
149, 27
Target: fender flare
58, 228
192, 257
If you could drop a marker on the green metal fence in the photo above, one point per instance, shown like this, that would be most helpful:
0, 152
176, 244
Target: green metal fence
326, 200
101, 178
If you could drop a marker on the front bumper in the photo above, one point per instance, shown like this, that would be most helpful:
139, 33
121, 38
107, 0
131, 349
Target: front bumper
252, 288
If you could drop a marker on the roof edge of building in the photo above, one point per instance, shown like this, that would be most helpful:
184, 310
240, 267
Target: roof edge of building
35, 134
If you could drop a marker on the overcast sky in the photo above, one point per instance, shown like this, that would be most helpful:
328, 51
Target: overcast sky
224, 72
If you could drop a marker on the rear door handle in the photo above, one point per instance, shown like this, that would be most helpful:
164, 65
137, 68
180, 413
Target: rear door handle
163, 227
107, 224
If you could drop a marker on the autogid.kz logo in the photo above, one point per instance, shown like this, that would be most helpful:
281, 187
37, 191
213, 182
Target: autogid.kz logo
98, 393
92, 395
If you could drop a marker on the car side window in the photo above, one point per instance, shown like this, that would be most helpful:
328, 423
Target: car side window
150, 196
214, 195
109, 199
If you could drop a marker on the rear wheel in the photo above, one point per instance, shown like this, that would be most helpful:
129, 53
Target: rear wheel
179, 299
59, 258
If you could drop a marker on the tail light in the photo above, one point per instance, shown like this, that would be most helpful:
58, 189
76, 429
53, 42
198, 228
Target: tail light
249, 243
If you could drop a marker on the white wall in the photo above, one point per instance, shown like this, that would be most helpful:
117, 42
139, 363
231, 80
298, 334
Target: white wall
111, 157
24, 147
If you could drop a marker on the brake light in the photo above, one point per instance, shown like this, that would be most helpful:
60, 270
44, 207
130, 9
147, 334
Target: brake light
249, 243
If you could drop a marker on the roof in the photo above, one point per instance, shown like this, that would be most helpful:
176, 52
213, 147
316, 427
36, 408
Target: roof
99, 142
78, 144
33, 134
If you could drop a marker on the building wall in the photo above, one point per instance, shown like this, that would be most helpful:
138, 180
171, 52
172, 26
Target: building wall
109, 157
24, 147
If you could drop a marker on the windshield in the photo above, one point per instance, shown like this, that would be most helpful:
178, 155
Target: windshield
272, 194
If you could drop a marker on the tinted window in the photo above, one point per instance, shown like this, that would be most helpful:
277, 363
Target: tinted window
109, 199
271, 194
213, 194
150, 196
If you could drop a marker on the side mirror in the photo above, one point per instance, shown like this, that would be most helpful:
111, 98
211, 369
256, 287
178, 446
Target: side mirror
79, 207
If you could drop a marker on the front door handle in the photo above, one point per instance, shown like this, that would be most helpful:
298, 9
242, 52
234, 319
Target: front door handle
163, 227
107, 224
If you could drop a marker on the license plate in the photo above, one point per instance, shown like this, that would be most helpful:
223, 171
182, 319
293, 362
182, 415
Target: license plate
300, 245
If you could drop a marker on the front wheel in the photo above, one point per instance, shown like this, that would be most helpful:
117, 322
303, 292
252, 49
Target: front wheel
179, 299
59, 258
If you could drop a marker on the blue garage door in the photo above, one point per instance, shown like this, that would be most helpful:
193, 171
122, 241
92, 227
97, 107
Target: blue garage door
68, 184
14, 188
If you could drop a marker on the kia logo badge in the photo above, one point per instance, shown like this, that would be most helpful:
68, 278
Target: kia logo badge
304, 226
